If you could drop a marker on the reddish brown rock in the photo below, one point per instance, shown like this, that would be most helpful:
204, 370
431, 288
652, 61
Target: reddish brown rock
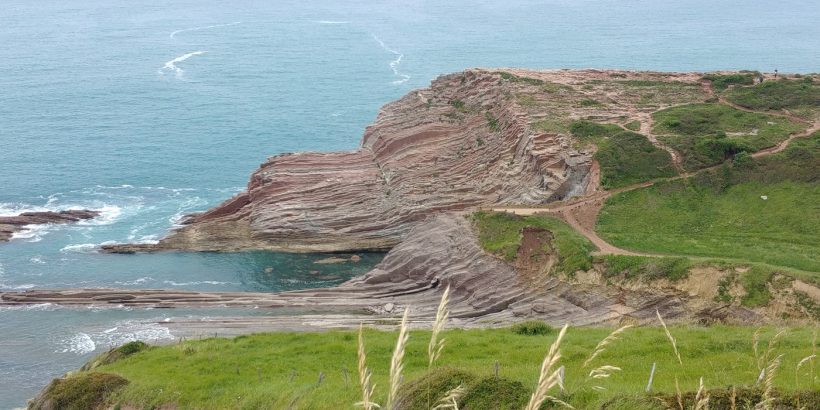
11, 224
462, 143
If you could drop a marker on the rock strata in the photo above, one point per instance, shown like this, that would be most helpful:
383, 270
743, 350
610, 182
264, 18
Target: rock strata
438, 252
462, 143
9, 225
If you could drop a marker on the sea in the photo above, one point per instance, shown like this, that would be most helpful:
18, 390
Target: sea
148, 110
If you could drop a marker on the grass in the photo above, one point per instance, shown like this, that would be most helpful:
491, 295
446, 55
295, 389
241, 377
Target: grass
723, 213
282, 369
756, 283
80, 392
499, 233
778, 95
722, 81
708, 134
648, 268
625, 157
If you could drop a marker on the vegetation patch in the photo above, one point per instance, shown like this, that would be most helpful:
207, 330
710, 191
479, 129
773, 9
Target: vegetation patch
765, 210
499, 233
518, 79
778, 95
83, 391
492, 122
115, 354
755, 282
496, 393
625, 157
744, 398
708, 134
532, 328
424, 392
633, 125
647, 268
723, 81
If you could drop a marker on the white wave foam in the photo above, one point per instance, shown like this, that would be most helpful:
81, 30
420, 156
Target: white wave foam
81, 343
203, 282
17, 287
172, 65
330, 22
37, 260
138, 281
108, 215
394, 64
85, 247
173, 34
39, 307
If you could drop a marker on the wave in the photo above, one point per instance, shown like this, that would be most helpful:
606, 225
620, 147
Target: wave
39, 307
394, 64
172, 65
174, 33
202, 282
17, 287
329, 22
138, 281
80, 343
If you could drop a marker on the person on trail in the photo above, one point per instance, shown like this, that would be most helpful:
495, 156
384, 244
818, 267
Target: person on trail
775, 74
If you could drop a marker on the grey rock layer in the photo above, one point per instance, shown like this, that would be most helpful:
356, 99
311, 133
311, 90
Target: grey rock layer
9, 225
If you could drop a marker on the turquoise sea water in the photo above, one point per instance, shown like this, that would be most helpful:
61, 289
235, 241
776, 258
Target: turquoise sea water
147, 110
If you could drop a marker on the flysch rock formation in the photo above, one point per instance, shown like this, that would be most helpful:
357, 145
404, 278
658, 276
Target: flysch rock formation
9, 225
462, 143
439, 252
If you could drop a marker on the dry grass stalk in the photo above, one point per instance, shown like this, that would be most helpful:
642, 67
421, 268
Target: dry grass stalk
678, 394
548, 378
701, 399
768, 399
396, 365
669, 335
800, 364
450, 399
364, 376
603, 372
603, 344
763, 361
436, 345
755, 342
733, 399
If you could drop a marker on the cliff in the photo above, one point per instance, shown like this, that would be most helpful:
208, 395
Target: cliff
462, 143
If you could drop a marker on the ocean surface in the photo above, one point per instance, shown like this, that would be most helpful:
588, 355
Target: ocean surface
148, 110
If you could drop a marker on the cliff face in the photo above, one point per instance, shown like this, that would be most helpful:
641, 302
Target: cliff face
463, 142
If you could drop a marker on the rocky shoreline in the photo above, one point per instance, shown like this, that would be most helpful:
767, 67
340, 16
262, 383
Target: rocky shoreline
9, 225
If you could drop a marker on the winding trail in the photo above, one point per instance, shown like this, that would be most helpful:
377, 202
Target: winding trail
581, 213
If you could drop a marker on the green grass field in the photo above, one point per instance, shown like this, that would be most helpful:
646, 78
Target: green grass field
625, 157
723, 213
708, 134
283, 369
500, 234
797, 94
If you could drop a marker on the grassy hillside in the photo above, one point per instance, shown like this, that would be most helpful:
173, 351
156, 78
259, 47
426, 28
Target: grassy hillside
797, 95
318, 370
708, 134
764, 210
625, 157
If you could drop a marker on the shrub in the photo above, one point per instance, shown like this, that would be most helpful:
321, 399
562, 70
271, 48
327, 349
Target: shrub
81, 392
532, 328
424, 392
756, 283
492, 393
115, 354
646, 267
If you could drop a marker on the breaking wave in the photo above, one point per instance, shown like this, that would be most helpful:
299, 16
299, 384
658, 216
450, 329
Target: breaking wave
394, 64
172, 64
174, 33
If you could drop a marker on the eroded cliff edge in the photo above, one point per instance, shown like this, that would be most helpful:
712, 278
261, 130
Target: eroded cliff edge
462, 143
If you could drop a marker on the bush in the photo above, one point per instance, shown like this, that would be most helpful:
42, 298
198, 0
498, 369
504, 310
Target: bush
532, 328
492, 393
81, 392
424, 392
756, 283
115, 354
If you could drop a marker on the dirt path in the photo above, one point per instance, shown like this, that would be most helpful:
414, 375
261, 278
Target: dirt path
581, 213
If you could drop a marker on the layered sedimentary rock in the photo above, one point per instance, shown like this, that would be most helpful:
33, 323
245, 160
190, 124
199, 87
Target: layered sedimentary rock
438, 252
463, 142
11, 224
